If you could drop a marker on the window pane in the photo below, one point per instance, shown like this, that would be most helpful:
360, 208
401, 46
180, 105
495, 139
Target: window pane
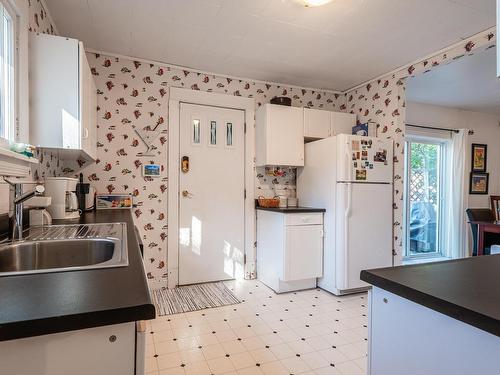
196, 131
213, 132
229, 134
423, 198
7, 77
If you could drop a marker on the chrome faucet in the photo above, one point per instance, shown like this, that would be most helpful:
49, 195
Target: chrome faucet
16, 199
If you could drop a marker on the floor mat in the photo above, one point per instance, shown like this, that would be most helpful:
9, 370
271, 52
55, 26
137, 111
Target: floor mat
192, 298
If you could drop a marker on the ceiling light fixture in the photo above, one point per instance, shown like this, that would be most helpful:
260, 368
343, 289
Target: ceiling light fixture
315, 3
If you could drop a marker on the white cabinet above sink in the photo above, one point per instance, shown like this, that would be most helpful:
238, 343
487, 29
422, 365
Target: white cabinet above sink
63, 97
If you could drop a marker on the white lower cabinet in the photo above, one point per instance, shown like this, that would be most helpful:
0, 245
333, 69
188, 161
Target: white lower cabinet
300, 263
97, 351
289, 249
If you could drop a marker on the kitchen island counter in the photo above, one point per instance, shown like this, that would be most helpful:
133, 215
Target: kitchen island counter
435, 318
464, 289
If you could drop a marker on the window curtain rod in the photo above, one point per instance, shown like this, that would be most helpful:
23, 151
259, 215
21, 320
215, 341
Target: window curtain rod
471, 132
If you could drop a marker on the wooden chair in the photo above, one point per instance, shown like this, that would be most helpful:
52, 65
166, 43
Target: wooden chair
481, 214
495, 206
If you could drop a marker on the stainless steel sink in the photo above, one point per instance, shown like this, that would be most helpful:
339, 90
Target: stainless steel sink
58, 248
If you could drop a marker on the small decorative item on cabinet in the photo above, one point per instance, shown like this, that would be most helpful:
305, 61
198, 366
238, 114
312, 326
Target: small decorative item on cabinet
281, 100
269, 202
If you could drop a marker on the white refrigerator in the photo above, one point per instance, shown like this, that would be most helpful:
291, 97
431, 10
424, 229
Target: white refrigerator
351, 177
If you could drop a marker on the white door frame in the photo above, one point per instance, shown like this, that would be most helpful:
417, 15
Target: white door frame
180, 95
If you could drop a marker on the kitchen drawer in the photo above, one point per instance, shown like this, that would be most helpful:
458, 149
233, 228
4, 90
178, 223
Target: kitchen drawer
315, 218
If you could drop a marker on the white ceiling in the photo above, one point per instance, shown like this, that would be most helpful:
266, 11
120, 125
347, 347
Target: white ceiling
336, 46
469, 83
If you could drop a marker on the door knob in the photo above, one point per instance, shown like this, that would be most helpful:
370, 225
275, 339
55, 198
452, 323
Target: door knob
186, 194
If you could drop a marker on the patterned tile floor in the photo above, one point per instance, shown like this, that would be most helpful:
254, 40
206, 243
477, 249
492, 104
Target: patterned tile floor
307, 332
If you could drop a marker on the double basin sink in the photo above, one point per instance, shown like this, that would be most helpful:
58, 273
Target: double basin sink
58, 248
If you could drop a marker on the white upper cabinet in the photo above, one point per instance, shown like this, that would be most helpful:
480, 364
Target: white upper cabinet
342, 123
320, 124
316, 123
279, 135
63, 97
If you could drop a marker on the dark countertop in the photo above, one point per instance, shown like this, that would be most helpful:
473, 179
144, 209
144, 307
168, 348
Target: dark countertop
465, 289
39, 304
291, 210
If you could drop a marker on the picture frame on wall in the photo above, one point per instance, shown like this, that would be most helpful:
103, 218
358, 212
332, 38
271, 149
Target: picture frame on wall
479, 183
479, 157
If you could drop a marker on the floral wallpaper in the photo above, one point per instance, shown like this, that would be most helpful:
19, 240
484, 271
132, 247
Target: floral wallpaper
134, 95
39, 20
269, 178
383, 102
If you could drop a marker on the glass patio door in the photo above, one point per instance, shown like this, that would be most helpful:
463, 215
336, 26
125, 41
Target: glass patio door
424, 199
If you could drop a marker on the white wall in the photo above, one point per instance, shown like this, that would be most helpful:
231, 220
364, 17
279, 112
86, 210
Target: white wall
486, 130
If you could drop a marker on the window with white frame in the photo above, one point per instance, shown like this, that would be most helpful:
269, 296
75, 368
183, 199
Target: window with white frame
426, 196
8, 61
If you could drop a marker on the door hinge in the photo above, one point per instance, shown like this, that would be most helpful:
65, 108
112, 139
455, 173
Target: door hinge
245, 127
245, 193
244, 259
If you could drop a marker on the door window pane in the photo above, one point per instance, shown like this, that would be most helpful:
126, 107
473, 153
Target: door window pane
229, 134
423, 198
196, 132
213, 133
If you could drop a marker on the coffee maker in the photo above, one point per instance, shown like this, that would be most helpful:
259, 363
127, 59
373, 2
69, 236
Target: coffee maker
62, 190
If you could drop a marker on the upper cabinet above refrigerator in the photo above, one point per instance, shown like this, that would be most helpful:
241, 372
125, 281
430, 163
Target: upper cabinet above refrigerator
63, 97
319, 123
279, 135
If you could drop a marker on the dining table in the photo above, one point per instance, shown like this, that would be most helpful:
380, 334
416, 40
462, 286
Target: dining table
482, 228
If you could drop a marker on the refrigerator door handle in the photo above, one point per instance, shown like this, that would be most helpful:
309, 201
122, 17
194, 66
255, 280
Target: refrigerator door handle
347, 215
348, 162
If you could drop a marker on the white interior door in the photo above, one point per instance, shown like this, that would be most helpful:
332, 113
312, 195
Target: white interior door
211, 188
364, 231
